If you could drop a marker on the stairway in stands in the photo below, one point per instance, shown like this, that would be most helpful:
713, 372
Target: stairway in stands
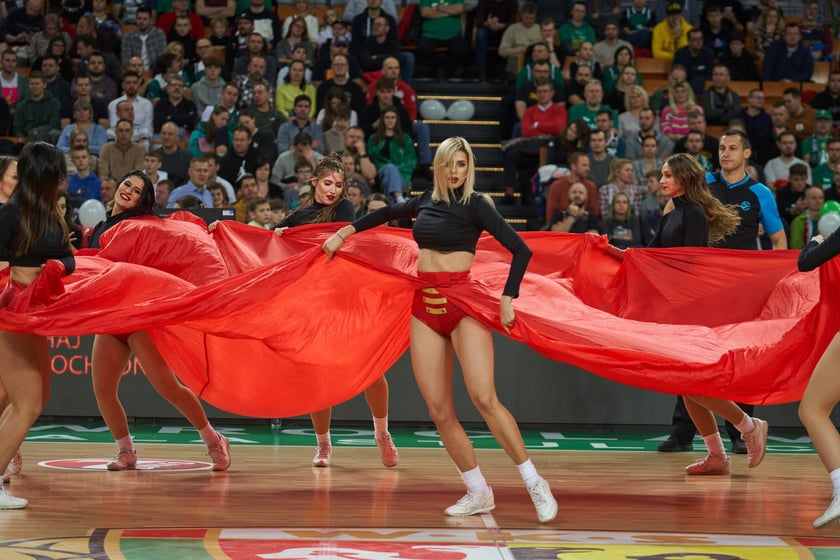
483, 134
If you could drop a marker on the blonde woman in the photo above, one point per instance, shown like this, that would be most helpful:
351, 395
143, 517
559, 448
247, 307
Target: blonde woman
769, 27
449, 220
635, 99
681, 102
621, 180
616, 99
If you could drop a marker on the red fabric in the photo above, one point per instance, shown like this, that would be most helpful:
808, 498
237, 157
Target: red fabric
285, 332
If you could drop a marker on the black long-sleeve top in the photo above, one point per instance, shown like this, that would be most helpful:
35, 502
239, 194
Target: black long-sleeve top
103, 226
814, 254
684, 226
51, 246
442, 226
343, 213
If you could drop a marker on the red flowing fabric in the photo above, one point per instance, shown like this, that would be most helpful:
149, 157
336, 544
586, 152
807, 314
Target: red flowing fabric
263, 325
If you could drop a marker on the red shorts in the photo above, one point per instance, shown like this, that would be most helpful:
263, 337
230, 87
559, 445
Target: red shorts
434, 310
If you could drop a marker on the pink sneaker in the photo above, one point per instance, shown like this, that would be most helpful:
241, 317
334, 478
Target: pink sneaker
220, 453
387, 450
322, 456
124, 460
14, 466
710, 465
756, 442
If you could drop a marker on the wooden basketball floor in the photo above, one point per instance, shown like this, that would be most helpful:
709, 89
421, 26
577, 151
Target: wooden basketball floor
276, 488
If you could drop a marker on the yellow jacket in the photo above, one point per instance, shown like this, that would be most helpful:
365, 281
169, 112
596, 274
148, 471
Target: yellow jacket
664, 43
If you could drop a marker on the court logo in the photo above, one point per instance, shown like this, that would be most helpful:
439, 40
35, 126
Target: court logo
158, 465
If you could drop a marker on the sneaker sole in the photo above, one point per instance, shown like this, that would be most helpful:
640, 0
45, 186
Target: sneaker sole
833, 521
477, 512
551, 517
707, 473
320, 464
118, 468
21, 506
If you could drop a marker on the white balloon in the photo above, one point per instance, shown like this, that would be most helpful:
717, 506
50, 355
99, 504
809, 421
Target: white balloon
91, 212
828, 223
432, 110
461, 110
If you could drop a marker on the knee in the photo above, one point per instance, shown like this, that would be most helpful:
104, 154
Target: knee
810, 412
442, 416
29, 410
486, 403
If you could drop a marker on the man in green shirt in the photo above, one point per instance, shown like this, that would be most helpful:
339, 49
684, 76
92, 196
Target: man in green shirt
442, 28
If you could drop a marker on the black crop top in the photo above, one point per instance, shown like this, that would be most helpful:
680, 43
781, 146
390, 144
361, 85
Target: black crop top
456, 227
48, 247
343, 213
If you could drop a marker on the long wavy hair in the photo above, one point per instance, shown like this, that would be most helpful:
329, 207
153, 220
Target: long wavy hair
690, 103
722, 219
41, 169
443, 158
331, 163
146, 204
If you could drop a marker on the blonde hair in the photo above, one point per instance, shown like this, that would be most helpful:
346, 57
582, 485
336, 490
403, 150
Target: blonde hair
635, 90
443, 158
692, 101
615, 165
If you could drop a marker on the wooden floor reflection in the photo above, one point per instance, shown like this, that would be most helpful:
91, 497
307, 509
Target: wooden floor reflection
277, 487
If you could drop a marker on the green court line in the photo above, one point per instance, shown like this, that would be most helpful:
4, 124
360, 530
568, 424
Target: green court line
404, 437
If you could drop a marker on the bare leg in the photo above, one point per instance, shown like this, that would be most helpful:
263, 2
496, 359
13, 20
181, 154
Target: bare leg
431, 360
108, 360
321, 420
820, 398
473, 345
26, 376
166, 383
163, 379
377, 398
727, 409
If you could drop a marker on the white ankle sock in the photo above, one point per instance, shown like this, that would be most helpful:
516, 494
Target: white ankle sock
125, 442
529, 474
746, 425
714, 444
380, 426
323, 438
476, 484
835, 481
208, 435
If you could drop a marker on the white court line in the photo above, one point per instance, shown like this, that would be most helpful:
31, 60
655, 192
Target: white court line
494, 529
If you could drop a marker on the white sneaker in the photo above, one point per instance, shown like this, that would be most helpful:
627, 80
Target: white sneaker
831, 514
322, 456
7, 501
544, 501
472, 504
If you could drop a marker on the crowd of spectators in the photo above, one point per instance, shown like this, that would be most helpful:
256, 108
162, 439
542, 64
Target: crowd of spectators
173, 86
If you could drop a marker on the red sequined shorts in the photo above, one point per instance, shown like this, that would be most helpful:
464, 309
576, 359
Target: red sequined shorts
434, 310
